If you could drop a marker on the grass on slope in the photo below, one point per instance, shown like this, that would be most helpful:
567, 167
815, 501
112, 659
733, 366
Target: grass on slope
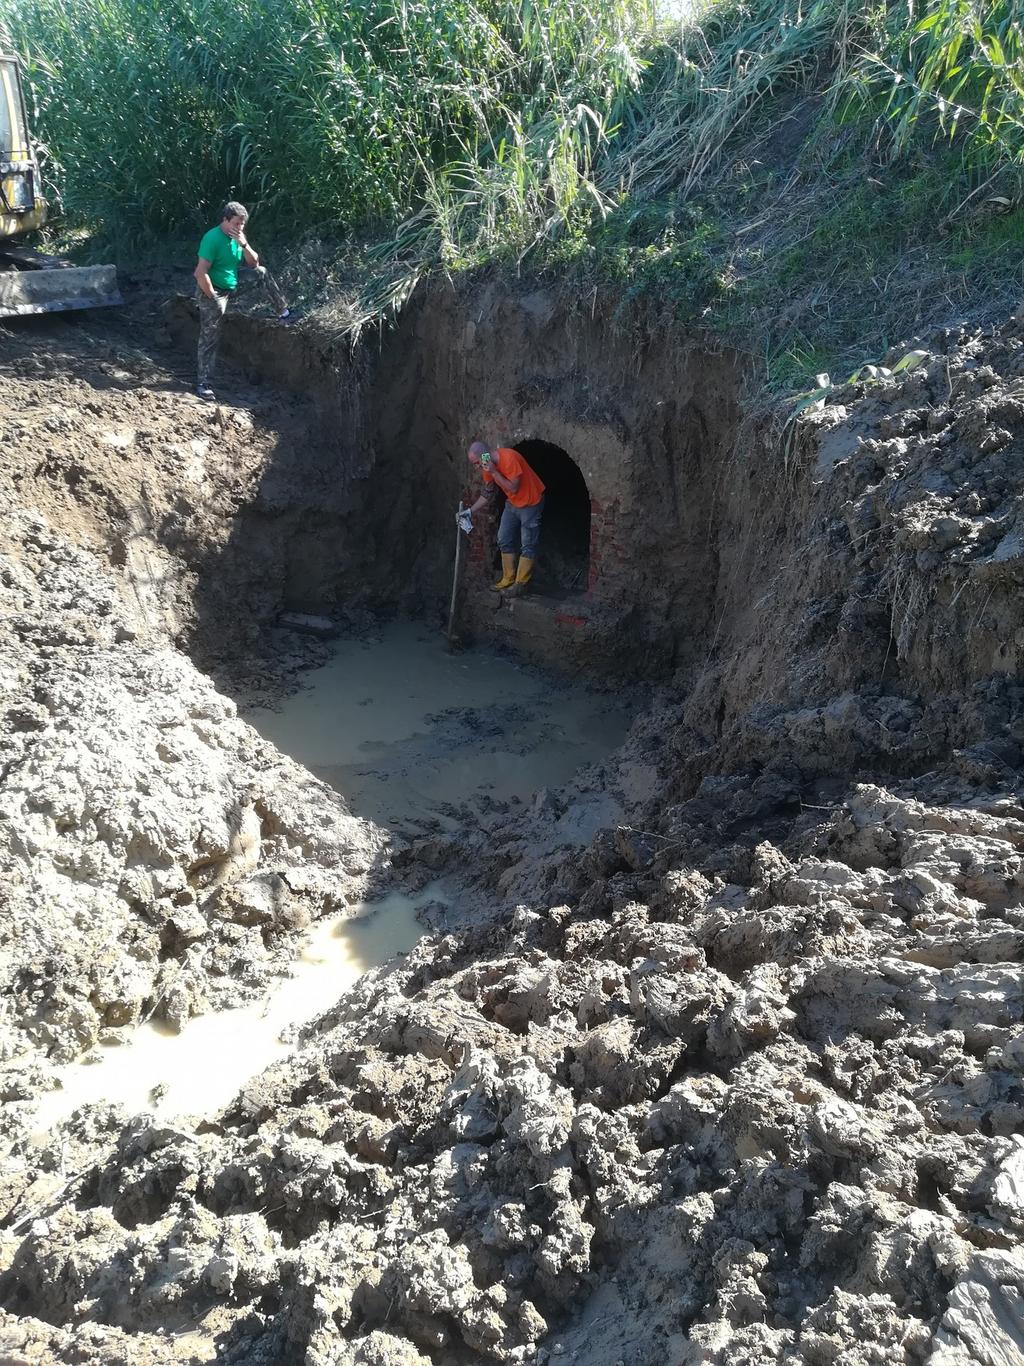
818, 175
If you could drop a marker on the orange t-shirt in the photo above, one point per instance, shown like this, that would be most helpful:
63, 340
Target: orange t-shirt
530, 489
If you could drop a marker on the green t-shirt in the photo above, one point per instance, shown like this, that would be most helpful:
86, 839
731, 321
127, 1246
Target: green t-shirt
224, 255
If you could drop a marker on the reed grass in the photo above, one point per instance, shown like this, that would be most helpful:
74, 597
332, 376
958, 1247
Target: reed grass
454, 132
322, 113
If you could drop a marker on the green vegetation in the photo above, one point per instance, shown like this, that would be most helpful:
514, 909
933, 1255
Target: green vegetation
343, 116
815, 172
961, 63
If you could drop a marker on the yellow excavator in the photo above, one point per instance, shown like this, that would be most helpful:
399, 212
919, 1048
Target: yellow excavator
30, 281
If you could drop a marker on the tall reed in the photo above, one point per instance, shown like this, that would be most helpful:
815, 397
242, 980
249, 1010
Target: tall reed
322, 111
451, 130
956, 66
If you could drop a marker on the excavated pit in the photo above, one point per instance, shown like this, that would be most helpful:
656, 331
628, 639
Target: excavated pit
630, 440
713, 1054
418, 741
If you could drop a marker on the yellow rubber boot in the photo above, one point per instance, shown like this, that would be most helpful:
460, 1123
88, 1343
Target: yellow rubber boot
508, 572
525, 573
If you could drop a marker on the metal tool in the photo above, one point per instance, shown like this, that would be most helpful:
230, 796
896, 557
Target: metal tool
460, 530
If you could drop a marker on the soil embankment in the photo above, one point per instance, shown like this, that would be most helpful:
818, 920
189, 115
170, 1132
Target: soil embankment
739, 1081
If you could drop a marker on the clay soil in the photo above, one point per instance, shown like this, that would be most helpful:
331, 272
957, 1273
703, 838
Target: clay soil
737, 1080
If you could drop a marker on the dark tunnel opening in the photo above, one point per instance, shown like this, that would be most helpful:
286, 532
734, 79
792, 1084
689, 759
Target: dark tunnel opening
563, 558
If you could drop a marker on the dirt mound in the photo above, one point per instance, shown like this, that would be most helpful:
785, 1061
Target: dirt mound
886, 627
736, 1119
739, 1081
131, 789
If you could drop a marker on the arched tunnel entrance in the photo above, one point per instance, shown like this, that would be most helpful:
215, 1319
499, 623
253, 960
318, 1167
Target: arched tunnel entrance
563, 558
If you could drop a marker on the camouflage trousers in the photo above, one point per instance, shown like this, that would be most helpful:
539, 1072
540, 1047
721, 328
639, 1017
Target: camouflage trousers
211, 315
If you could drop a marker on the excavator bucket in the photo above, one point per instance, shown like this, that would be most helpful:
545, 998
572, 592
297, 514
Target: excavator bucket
31, 282
52, 290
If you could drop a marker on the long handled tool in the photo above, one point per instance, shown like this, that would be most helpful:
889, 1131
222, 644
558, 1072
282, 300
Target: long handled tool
452, 640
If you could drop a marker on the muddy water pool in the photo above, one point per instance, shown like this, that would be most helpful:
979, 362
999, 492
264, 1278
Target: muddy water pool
406, 732
199, 1070
404, 729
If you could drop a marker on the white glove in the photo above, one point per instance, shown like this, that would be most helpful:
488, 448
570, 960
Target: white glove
465, 520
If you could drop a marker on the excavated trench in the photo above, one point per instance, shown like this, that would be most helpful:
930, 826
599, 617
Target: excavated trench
631, 441
413, 738
710, 1050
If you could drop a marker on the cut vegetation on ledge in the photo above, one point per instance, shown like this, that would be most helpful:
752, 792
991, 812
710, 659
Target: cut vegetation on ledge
824, 177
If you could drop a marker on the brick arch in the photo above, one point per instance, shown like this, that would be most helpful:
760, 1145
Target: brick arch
564, 559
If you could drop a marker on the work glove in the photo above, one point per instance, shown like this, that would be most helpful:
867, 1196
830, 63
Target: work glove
465, 520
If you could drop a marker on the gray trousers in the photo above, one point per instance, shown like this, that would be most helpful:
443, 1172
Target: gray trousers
211, 316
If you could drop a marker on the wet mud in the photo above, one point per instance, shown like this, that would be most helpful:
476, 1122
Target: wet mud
709, 1053
407, 730
194, 1072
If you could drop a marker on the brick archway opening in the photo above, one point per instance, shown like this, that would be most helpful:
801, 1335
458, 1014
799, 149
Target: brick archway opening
563, 560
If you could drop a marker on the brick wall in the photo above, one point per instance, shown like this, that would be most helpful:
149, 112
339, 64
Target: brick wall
608, 556
479, 546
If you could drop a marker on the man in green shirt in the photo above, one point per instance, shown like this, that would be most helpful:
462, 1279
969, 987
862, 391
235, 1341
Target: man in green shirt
222, 250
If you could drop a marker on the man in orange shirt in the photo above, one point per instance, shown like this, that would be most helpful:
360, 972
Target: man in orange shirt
519, 528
